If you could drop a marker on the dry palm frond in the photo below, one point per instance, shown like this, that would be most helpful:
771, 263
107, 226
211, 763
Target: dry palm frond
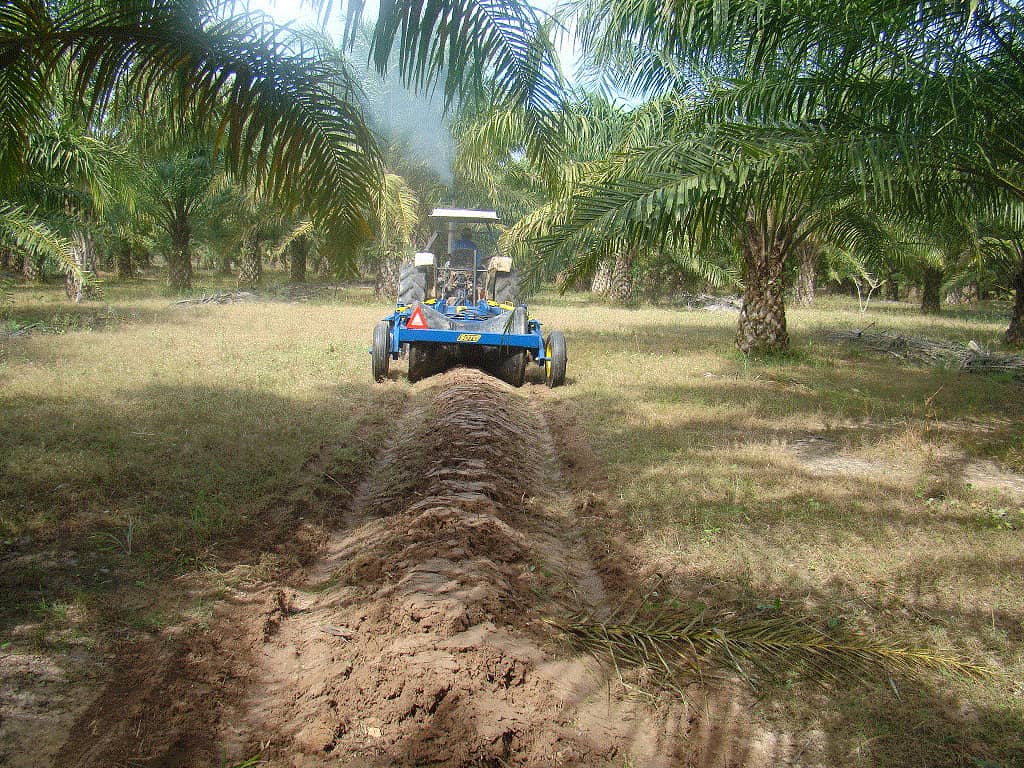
922, 351
676, 646
218, 297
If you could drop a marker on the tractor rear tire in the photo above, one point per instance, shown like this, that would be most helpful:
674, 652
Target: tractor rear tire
381, 352
557, 358
506, 288
412, 285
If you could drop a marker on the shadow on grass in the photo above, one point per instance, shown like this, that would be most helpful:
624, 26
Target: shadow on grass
98, 497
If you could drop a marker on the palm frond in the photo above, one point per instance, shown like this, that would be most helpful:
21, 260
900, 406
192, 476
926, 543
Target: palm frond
467, 43
276, 108
678, 646
21, 230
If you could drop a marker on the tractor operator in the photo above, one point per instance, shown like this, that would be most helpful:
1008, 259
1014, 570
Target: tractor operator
465, 242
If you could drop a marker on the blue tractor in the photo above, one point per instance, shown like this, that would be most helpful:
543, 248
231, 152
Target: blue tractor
457, 308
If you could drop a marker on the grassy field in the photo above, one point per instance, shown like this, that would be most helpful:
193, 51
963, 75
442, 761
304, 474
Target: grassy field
139, 438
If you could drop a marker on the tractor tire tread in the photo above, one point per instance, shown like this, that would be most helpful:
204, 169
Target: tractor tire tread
412, 285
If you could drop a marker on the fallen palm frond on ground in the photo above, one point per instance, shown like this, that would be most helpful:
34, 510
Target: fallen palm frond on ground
947, 354
306, 291
220, 297
21, 330
678, 646
288, 292
707, 301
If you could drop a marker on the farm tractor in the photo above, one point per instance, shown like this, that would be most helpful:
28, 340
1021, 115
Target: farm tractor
457, 308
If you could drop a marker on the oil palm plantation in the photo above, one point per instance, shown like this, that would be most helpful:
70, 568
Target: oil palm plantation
914, 108
276, 108
804, 123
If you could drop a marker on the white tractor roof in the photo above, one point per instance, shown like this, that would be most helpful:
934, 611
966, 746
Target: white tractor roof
464, 215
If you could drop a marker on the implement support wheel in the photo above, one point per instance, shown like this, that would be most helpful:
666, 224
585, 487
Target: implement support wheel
381, 352
554, 368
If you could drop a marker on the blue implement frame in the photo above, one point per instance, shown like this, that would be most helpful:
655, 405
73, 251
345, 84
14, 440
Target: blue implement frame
466, 317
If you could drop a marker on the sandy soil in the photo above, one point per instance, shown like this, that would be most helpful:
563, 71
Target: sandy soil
419, 635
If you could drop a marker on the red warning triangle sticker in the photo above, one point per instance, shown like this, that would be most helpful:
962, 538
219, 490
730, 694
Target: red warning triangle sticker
416, 320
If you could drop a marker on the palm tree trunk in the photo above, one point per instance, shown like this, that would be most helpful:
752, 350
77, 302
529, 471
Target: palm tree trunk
931, 300
1015, 333
225, 265
179, 260
385, 281
76, 284
762, 322
297, 252
73, 284
807, 263
250, 263
602, 279
5, 259
31, 267
892, 288
125, 265
620, 282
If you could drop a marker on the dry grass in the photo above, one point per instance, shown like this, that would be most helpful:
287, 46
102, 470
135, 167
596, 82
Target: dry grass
139, 439
828, 486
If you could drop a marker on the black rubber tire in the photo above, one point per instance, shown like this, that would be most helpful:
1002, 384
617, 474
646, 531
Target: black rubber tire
512, 370
506, 287
381, 352
412, 285
425, 360
555, 369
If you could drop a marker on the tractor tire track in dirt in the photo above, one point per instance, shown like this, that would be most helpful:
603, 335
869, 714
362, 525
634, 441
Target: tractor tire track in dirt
419, 638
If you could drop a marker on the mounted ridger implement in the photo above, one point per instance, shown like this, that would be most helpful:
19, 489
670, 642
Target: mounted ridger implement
464, 312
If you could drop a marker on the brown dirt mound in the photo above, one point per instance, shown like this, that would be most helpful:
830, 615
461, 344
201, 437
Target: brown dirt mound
418, 638
423, 645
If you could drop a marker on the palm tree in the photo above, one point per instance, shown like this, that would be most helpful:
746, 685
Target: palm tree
175, 188
919, 104
999, 258
276, 107
669, 182
66, 179
396, 216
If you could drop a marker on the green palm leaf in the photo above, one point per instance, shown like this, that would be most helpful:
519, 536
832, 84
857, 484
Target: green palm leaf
277, 110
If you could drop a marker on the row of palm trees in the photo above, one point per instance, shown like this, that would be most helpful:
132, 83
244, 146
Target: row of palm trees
881, 134
875, 133
132, 126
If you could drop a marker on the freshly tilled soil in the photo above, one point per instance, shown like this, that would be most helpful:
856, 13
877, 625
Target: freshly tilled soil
422, 640
418, 637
